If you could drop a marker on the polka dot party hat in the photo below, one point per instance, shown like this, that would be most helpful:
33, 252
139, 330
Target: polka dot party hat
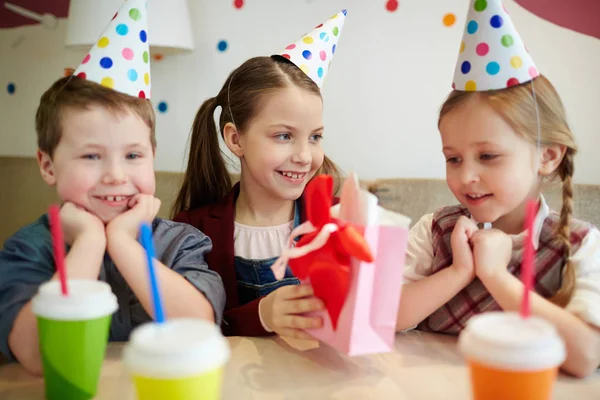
314, 51
120, 59
492, 55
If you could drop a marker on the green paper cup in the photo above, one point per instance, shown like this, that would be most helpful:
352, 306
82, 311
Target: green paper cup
73, 332
181, 359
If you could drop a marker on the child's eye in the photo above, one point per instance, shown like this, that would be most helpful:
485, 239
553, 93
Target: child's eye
487, 157
91, 156
316, 137
452, 160
133, 156
283, 136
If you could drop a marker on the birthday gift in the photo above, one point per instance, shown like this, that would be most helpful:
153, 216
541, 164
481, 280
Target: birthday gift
353, 256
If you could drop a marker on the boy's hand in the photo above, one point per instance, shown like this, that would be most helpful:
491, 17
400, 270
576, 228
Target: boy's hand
462, 255
281, 308
76, 221
492, 250
143, 208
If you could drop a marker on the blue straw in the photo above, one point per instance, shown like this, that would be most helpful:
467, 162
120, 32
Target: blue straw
146, 239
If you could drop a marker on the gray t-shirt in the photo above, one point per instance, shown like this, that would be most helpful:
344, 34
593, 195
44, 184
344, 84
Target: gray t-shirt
27, 261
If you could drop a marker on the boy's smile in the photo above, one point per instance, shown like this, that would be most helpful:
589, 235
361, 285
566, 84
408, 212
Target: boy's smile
102, 161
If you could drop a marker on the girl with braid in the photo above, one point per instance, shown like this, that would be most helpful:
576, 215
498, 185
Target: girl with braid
505, 135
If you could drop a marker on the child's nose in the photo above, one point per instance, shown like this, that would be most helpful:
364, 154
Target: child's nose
302, 155
114, 174
468, 174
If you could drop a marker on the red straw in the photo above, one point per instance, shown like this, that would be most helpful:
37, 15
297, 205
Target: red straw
58, 244
527, 265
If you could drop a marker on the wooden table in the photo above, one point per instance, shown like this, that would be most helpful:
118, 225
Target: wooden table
423, 366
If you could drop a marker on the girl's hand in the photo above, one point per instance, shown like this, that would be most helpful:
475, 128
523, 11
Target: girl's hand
492, 250
462, 255
281, 309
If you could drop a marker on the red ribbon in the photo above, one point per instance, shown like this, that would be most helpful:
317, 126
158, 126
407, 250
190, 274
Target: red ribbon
328, 266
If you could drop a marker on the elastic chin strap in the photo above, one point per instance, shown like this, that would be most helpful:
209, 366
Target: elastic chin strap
536, 162
538, 141
228, 99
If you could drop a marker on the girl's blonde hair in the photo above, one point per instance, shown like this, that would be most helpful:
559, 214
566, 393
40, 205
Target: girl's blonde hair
516, 105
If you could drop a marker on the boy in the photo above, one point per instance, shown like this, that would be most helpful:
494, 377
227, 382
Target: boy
96, 145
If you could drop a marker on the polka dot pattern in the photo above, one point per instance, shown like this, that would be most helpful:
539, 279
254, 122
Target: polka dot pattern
127, 54
449, 20
472, 27
482, 49
391, 5
11, 88
470, 86
120, 59
492, 55
480, 5
162, 107
512, 82
135, 14
132, 75
222, 45
516, 62
507, 41
492, 68
108, 82
313, 52
103, 42
106, 62
122, 29
465, 68
496, 21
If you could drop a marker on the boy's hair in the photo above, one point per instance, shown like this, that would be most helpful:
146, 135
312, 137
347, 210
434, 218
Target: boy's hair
517, 106
206, 179
80, 94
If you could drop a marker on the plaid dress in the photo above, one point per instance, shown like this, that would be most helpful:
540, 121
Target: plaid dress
474, 298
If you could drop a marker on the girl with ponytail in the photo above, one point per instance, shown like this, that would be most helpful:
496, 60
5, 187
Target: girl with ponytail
271, 119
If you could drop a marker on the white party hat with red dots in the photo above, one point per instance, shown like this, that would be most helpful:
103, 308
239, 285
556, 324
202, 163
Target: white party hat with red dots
120, 59
314, 51
492, 55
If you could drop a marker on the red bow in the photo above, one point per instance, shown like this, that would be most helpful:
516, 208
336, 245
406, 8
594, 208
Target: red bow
327, 265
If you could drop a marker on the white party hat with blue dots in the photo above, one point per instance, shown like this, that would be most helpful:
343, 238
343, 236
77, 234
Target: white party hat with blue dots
120, 59
314, 51
492, 54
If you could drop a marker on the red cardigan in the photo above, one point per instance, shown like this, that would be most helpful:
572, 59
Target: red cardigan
216, 221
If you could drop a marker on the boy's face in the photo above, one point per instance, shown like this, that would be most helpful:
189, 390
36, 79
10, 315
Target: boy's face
102, 160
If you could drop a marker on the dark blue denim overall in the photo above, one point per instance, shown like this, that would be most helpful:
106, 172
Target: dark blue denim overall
255, 278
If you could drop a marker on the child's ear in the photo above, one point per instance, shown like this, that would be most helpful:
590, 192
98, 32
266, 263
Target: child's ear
550, 158
46, 167
232, 137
